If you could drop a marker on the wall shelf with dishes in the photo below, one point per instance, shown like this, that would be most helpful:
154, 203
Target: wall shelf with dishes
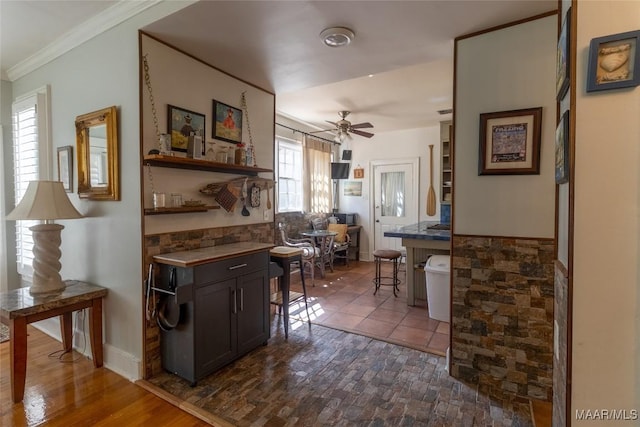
198, 164
446, 175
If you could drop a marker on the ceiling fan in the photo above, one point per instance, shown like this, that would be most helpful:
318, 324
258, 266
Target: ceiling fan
344, 128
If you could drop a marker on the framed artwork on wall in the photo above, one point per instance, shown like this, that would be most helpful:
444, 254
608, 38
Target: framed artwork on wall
227, 122
562, 149
181, 123
510, 142
352, 188
563, 57
614, 62
65, 167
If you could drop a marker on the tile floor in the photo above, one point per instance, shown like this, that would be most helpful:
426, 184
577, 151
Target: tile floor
344, 300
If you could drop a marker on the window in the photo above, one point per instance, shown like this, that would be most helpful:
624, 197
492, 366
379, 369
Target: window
31, 159
289, 176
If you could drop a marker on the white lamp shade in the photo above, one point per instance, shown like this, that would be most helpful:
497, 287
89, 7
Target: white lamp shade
44, 200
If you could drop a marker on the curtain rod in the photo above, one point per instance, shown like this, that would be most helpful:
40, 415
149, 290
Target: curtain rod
308, 134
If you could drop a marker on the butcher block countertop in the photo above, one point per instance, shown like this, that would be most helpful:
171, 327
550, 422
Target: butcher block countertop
194, 257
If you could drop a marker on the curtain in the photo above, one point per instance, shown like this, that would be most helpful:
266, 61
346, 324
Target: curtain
317, 175
392, 197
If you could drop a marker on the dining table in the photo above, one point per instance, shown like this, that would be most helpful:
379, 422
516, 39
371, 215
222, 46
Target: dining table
324, 242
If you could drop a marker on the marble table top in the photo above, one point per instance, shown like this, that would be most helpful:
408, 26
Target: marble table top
199, 256
420, 231
19, 302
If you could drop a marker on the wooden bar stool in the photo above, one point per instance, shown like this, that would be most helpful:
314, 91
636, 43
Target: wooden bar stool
393, 256
284, 256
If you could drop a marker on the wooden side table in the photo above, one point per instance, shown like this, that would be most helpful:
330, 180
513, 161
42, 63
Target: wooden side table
18, 308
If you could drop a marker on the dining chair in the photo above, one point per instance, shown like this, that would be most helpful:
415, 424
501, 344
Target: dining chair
310, 253
341, 243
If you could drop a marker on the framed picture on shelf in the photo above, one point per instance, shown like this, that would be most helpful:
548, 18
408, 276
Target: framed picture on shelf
227, 123
562, 149
562, 58
510, 142
181, 123
614, 62
65, 167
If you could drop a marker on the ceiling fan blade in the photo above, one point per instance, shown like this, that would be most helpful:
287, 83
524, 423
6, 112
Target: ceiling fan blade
323, 130
333, 123
362, 125
362, 133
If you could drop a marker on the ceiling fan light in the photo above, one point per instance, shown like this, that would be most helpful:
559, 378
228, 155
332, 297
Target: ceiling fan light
337, 36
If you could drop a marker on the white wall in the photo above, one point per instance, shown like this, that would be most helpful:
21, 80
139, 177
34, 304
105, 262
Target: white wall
515, 205
403, 144
105, 247
181, 81
606, 230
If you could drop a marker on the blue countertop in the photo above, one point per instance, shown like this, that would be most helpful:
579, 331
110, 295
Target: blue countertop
420, 231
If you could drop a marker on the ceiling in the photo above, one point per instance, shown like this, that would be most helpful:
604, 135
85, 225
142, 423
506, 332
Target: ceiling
396, 74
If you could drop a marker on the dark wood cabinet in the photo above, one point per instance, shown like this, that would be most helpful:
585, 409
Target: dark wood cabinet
227, 317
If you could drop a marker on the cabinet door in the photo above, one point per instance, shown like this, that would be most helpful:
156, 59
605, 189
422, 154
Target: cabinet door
253, 310
215, 337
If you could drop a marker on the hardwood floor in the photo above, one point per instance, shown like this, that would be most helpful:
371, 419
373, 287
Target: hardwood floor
59, 393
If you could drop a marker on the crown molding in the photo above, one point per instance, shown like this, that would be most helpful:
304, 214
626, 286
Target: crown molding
90, 28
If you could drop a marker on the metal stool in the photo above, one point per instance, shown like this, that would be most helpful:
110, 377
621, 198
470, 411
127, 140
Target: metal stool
379, 280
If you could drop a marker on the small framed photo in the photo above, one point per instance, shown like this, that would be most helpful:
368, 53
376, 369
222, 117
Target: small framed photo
614, 62
181, 123
352, 188
562, 149
227, 124
358, 172
562, 58
65, 167
510, 142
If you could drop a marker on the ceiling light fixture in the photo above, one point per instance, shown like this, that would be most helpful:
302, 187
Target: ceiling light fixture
337, 36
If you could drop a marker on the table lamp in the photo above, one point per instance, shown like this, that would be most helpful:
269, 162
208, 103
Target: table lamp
45, 200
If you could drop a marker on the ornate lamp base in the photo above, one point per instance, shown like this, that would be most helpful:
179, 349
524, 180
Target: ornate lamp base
46, 261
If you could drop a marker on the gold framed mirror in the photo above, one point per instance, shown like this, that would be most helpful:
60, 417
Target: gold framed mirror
97, 147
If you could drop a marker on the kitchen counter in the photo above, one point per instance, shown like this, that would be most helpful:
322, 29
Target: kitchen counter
194, 257
420, 242
420, 231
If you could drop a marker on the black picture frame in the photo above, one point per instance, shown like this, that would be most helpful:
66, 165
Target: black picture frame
562, 149
510, 142
180, 123
614, 62
563, 58
227, 122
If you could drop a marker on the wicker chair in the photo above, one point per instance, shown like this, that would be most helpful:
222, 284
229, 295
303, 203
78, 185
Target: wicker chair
309, 251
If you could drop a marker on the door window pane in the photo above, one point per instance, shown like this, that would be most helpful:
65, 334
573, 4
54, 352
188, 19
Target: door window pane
392, 197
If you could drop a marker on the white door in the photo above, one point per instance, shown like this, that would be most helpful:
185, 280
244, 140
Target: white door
395, 196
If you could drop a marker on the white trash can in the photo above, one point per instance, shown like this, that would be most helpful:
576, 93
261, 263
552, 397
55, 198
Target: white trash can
437, 271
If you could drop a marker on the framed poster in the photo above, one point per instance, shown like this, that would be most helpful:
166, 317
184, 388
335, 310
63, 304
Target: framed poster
562, 59
562, 149
181, 123
352, 188
227, 123
510, 142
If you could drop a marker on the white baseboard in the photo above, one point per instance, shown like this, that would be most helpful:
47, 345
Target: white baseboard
116, 360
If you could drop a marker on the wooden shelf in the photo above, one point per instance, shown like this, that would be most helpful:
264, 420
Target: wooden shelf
202, 165
183, 209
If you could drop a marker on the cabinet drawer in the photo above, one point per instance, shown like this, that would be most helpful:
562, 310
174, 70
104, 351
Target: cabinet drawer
232, 267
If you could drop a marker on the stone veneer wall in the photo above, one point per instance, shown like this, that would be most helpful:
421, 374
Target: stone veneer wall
502, 315
561, 313
186, 240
